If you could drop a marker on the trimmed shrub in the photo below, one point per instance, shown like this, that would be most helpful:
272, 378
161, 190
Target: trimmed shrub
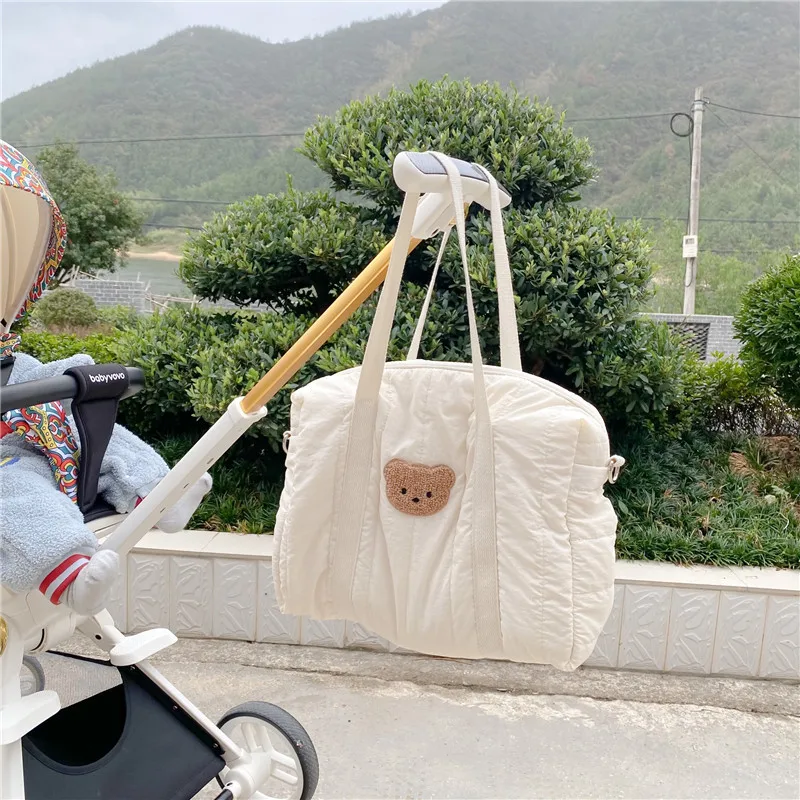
727, 396
167, 347
523, 142
230, 368
119, 317
294, 251
635, 377
768, 323
66, 308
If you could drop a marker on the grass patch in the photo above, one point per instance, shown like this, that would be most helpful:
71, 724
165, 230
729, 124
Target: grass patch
707, 499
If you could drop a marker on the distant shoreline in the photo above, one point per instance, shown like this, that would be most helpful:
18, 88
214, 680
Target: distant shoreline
159, 255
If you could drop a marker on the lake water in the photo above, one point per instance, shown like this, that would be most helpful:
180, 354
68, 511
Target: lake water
162, 275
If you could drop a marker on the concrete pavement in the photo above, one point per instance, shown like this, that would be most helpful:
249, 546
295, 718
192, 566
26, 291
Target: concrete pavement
390, 737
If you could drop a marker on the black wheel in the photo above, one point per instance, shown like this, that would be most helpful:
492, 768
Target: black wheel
265, 727
31, 678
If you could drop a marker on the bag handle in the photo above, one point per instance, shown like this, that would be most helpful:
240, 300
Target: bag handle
510, 357
360, 451
509, 332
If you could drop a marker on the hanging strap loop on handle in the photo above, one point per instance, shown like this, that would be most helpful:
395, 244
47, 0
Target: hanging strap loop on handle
413, 350
510, 357
378, 340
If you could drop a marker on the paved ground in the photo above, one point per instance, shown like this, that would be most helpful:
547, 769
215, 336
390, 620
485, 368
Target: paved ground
391, 738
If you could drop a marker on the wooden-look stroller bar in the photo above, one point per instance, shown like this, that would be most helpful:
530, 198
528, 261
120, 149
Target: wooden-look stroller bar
421, 173
345, 305
414, 172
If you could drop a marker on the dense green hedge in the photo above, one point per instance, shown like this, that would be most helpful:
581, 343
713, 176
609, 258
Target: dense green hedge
195, 361
727, 395
769, 325
55, 346
227, 368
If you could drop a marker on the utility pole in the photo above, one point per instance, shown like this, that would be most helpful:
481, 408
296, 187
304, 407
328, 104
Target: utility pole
690, 240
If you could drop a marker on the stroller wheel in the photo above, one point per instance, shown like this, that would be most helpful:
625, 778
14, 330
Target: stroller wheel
263, 727
31, 677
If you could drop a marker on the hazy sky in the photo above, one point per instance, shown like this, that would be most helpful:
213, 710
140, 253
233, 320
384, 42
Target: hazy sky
45, 40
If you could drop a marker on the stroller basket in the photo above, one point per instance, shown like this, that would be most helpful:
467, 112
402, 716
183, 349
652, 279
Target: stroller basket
126, 743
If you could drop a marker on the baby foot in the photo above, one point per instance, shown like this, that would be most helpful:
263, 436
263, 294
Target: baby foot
89, 592
177, 518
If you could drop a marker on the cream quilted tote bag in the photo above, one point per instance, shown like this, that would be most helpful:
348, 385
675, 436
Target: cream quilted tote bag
455, 509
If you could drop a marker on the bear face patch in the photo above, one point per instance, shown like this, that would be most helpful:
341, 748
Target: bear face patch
418, 489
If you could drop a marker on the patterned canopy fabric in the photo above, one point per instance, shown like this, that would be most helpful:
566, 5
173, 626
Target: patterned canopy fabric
17, 172
45, 426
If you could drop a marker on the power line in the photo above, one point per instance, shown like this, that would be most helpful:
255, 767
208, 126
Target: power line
190, 138
718, 219
287, 134
754, 113
749, 147
290, 134
627, 116
189, 202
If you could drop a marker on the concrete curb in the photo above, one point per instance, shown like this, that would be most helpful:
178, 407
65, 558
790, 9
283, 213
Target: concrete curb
731, 622
762, 696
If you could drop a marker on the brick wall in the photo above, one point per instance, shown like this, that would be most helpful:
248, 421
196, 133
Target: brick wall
721, 336
114, 293
134, 294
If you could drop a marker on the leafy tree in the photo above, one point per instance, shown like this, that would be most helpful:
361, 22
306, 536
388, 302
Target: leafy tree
579, 276
101, 221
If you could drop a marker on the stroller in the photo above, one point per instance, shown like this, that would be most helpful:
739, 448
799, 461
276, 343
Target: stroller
142, 737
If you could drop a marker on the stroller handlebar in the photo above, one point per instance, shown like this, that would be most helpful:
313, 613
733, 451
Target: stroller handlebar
60, 387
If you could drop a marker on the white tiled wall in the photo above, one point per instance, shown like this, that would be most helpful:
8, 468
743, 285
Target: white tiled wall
665, 618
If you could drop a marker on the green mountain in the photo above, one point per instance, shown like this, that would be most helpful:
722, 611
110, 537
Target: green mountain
592, 60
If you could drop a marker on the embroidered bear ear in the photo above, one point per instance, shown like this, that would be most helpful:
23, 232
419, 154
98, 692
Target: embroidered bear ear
444, 476
395, 468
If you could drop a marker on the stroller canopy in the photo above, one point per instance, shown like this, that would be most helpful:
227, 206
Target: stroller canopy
32, 236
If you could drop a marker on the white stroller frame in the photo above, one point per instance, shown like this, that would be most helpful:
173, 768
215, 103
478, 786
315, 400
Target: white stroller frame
30, 624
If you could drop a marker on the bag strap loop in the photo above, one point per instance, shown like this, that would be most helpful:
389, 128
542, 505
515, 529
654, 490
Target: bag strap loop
510, 357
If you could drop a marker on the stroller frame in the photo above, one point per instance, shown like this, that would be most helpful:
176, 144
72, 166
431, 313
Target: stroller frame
30, 624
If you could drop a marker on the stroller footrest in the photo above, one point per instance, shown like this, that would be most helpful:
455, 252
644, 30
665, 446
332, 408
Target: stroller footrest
20, 717
141, 646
